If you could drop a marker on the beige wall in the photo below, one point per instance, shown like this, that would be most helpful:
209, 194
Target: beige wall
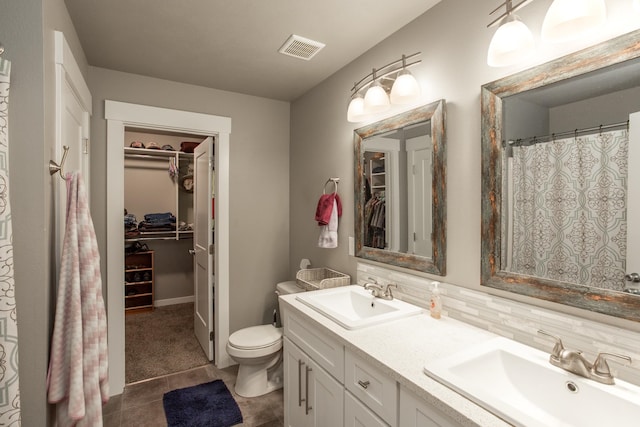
453, 39
259, 152
27, 31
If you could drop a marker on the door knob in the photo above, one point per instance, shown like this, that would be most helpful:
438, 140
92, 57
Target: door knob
192, 251
632, 277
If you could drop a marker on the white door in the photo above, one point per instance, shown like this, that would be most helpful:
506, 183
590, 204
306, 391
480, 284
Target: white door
633, 197
73, 110
419, 200
203, 246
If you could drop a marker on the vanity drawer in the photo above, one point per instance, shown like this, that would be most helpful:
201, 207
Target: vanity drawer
372, 387
324, 350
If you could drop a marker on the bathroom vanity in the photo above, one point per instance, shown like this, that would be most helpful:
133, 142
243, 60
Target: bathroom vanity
373, 376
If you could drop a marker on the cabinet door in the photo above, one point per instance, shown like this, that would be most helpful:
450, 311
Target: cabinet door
356, 414
415, 412
295, 364
326, 397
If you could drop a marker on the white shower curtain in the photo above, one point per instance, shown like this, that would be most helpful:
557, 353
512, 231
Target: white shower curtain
9, 391
569, 209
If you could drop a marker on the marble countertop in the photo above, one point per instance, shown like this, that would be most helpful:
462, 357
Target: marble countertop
403, 347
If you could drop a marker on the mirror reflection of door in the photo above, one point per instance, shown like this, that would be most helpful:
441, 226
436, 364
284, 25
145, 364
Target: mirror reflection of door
397, 169
419, 189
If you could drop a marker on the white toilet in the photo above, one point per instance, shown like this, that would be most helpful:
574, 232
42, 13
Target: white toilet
258, 351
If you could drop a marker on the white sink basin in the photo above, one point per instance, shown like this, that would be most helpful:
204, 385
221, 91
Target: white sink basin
517, 383
353, 307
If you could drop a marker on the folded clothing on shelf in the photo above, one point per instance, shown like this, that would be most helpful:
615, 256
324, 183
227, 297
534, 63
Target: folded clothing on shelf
158, 222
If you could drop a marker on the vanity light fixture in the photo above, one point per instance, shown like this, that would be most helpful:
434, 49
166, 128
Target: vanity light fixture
569, 19
393, 78
513, 40
376, 99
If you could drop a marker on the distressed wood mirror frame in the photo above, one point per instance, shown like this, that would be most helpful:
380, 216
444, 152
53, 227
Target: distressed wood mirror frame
435, 113
612, 303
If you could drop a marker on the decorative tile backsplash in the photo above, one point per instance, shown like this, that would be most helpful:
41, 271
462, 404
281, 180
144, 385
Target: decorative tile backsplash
516, 320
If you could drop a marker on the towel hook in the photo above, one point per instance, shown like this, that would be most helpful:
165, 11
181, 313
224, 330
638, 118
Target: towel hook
335, 183
54, 167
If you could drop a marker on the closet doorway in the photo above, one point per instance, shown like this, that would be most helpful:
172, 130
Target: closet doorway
126, 123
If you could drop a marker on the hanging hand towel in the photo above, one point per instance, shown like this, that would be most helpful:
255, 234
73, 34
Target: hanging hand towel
77, 380
329, 233
325, 207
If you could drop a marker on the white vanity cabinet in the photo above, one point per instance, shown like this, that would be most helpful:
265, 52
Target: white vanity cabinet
415, 412
314, 372
327, 385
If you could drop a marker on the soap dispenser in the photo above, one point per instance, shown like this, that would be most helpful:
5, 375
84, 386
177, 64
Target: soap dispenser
435, 306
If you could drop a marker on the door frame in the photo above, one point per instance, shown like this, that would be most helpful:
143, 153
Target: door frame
120, 115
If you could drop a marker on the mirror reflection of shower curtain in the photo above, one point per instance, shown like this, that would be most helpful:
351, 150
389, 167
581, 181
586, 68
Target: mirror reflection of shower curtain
569, 209
10, 402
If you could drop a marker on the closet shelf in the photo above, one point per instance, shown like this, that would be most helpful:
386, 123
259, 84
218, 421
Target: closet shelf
159, 154
157, 235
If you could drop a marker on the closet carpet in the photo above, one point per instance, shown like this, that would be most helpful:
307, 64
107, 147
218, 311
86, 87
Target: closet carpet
161, 342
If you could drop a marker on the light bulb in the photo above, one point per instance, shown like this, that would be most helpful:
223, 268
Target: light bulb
636, 5
376, 99
355, 112
512, 42
405, 89
570, 19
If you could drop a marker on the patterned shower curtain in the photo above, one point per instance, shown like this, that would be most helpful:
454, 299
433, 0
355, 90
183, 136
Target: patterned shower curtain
9, 391
569, 209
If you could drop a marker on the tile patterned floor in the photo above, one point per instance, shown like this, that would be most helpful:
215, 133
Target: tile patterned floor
140, 404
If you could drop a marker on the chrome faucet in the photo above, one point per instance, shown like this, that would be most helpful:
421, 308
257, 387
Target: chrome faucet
379, 291
573, 361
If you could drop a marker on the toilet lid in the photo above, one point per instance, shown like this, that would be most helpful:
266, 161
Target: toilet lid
256, 337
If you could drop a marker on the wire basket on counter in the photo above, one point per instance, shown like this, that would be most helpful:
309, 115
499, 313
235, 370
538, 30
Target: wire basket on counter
321, 278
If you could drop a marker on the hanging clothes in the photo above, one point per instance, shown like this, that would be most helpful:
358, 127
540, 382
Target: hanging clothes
375, 222
77, 379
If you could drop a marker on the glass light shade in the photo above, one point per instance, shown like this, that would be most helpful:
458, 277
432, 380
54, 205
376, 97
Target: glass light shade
570, 19
636, 5
512, 42
376, 99
405, 89
355, 112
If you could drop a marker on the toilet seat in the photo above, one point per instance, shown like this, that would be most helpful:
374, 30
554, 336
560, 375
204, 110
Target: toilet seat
255, 342
256, 337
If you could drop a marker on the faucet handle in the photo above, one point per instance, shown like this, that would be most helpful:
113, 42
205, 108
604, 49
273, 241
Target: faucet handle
601, 367
387, 290
558, 348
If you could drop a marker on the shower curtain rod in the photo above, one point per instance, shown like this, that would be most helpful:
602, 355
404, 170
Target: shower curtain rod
546, 138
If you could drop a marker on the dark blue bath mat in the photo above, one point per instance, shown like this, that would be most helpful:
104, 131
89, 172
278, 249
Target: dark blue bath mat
205, 405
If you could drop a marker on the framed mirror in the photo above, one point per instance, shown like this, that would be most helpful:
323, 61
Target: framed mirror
400, 190
558, 186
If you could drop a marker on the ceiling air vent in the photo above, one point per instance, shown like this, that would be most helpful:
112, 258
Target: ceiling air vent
300, 47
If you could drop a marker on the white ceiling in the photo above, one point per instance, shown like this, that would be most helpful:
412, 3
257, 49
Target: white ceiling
233, 44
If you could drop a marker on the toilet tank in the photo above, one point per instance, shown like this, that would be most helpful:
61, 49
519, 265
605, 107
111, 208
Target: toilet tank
289, 287
284, 288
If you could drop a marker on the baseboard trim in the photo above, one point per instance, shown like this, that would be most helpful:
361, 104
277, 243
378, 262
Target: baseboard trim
172, 301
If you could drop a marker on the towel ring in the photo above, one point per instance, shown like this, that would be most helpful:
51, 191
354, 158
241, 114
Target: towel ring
335, 183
